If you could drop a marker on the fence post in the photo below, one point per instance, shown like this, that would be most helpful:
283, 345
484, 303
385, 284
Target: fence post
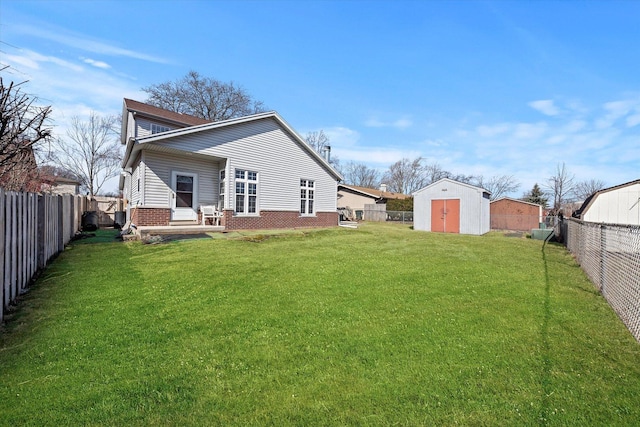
60, 246
603, 260
42, 231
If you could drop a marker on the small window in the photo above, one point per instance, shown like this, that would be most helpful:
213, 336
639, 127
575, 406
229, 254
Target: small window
156, 128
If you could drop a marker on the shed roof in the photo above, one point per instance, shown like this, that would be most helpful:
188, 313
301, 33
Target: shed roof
516, 200
374, 192
451, 181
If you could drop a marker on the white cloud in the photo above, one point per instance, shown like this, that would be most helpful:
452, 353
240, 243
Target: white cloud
401, 123
97, 64
84, 42
633, 120
375, 155
530, 130
490, 131
342, 136
33, 60
616, 110
545, 106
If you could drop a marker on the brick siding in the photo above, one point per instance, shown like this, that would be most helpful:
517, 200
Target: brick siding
278, 219
512, 215
266, 220
150, 216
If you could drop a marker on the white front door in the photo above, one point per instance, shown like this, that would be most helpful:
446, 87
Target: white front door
184, 196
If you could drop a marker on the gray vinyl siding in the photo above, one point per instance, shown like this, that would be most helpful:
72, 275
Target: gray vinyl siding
264, 147
143, 126
131, 127
157, 178
135, 175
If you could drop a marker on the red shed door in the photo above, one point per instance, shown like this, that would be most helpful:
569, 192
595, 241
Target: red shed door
445, 216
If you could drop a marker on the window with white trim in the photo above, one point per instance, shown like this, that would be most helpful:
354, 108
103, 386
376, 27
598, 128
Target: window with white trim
223, 185
307, 189
156, 128
246, 183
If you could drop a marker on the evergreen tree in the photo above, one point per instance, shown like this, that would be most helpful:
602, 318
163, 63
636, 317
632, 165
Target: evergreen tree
536, 195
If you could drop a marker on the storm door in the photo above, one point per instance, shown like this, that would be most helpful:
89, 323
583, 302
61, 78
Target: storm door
184, 196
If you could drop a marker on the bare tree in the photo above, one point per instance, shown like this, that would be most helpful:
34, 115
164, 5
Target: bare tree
91, 151
560, 186
319, 141
434, 172
361, 175
406, 176
23, 127
498, 185
584, 189
203, 97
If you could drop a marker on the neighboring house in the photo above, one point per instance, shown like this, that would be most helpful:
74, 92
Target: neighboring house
513, 214
356, 198
256, 170
614, 205
19, 172
60, 185
451, 207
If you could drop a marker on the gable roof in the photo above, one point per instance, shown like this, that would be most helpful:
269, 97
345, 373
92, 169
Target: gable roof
160, 114
510, 199
589, 200
374, 192
450, 181
136, 144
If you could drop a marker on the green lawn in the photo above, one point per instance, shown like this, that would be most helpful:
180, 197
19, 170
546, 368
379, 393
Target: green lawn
381, 325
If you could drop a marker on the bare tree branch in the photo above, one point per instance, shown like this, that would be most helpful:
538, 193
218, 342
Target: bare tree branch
560, 186
23, 126
203, 97
91, 151
406, 176
584, 189
361, 175
498, 185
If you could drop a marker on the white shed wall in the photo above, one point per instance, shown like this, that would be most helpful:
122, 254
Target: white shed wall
620, 206
474, 208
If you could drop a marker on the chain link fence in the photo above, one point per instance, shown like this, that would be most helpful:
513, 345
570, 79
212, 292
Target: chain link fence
381, 215
610, 255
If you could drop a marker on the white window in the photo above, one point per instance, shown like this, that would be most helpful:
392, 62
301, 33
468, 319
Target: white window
223, 185
306, 196
246, 183
156, 128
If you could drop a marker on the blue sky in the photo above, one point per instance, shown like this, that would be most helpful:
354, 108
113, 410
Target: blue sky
480, 87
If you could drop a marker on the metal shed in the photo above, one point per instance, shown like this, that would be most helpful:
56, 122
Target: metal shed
452, 207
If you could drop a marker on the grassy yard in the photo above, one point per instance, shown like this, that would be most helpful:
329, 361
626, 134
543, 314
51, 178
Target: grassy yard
376, 326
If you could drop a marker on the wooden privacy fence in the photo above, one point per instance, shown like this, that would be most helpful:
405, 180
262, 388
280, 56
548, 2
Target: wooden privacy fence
34, 228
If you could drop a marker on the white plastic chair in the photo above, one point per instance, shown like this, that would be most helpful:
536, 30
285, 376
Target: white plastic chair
210, 212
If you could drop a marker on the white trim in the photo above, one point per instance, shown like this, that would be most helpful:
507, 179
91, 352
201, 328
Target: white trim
180, 214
